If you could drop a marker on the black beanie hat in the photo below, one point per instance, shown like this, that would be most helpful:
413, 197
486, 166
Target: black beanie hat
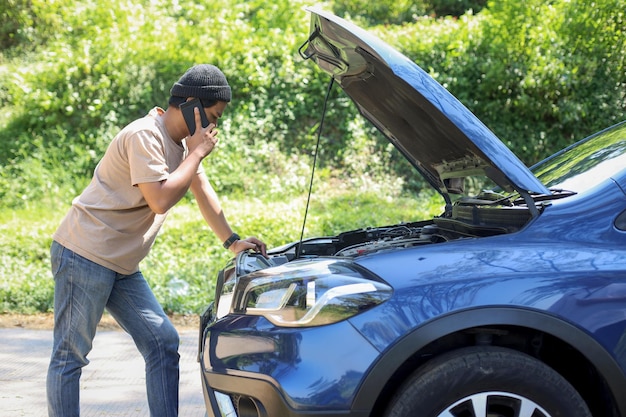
203, 81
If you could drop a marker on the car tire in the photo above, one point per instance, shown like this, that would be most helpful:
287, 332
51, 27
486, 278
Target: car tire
486, 382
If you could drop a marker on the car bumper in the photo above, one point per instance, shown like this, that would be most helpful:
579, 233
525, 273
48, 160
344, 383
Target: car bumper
293, 372
225, 396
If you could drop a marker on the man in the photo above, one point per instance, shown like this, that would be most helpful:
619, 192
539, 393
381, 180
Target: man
110, 228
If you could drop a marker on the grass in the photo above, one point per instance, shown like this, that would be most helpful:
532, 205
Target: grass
183, 263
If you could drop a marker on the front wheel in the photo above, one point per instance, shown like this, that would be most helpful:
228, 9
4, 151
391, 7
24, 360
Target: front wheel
486, 382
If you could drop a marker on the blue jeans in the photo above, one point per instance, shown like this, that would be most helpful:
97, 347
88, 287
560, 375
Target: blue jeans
83, 290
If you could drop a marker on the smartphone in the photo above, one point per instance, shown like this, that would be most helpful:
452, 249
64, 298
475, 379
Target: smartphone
187, 109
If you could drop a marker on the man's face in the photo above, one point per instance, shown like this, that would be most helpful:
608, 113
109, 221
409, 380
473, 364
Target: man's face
213, 113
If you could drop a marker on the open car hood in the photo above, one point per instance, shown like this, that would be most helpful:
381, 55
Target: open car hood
435, 132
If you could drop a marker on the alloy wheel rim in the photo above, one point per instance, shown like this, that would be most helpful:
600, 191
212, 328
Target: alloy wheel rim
494, 404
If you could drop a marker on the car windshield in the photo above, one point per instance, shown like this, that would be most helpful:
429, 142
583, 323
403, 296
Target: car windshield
586, 164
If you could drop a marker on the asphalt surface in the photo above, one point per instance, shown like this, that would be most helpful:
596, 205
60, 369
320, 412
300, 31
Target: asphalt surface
112, 384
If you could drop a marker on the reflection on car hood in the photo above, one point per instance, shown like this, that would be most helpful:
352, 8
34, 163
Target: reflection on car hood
433, 130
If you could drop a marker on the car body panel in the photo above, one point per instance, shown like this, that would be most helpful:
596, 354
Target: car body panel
434, 130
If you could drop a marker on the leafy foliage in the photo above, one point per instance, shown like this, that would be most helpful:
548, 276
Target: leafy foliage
72, 73
402, 11
539, 74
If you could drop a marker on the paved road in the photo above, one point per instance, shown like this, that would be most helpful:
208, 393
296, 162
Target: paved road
113, 384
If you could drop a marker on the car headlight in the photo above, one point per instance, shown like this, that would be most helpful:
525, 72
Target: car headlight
308, 293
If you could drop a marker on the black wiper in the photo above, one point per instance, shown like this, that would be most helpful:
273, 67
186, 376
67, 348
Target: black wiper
530, 199
555, 194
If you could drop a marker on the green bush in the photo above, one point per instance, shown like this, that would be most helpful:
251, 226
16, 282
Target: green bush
25, 278
539, 74
73, 72
397, 12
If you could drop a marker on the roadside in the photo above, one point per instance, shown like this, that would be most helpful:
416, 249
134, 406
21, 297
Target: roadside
44, 321
112, 384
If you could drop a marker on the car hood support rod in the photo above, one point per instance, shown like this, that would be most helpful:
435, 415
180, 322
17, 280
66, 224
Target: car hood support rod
317, 145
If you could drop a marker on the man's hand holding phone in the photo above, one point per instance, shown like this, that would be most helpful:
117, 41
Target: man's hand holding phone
204, 139
201, 132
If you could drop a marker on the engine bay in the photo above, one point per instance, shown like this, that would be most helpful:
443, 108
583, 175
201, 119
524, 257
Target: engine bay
463, 221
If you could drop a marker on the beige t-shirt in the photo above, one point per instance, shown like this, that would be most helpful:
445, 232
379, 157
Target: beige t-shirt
110, 223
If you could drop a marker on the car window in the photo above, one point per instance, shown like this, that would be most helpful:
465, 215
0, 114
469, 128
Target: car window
587, 163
